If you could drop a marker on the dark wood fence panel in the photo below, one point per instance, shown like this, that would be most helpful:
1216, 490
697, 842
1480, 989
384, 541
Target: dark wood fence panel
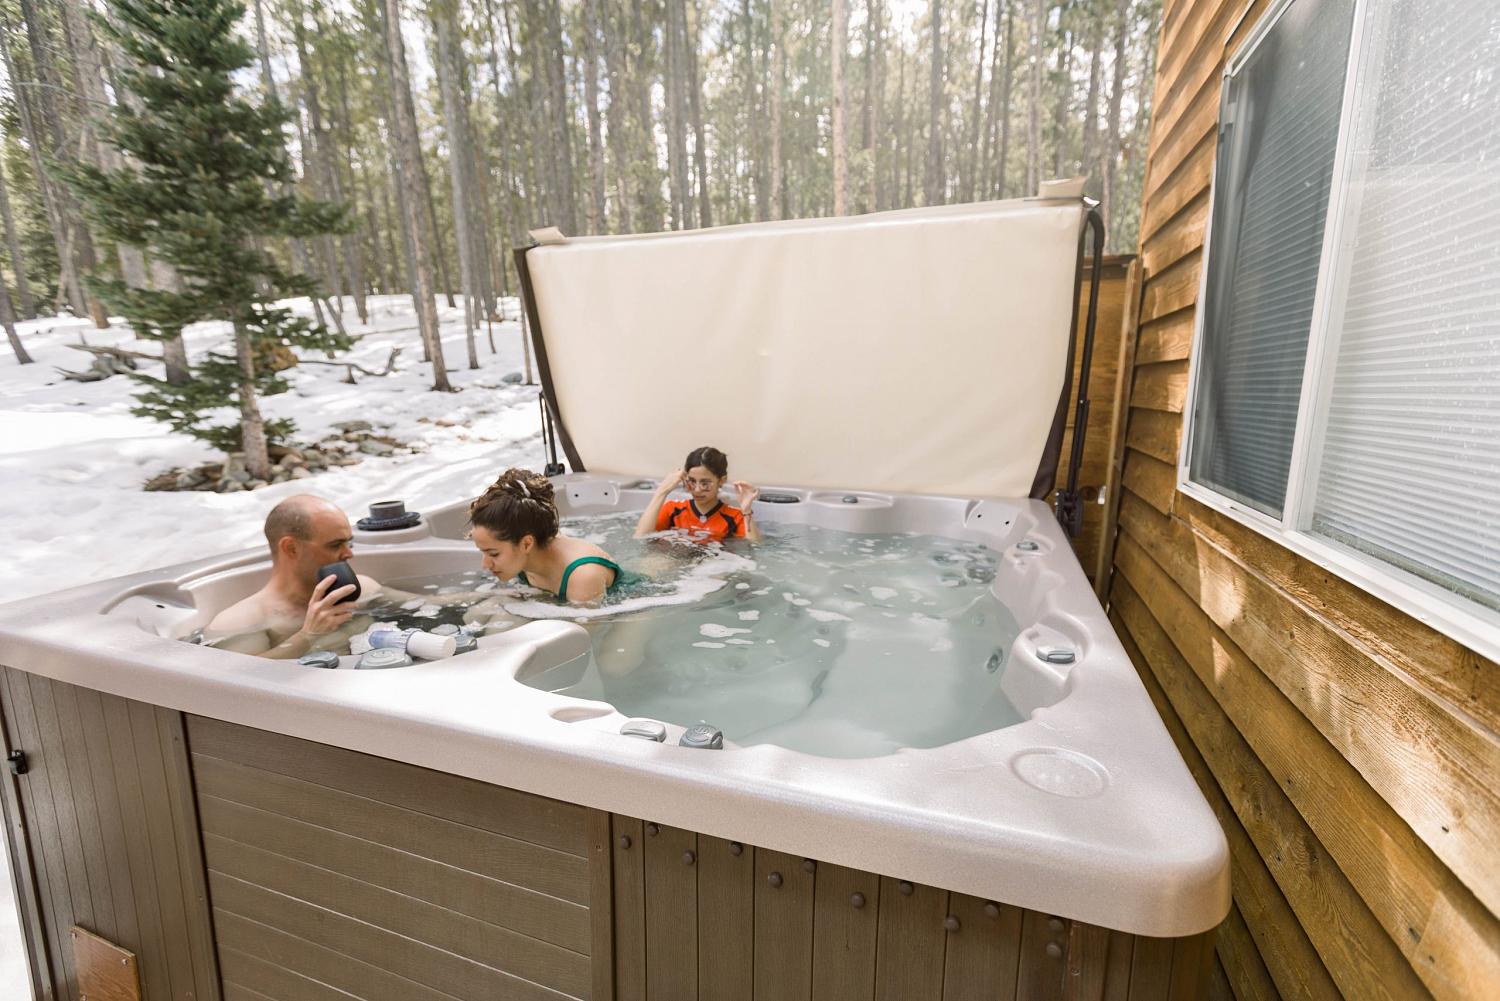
104, 832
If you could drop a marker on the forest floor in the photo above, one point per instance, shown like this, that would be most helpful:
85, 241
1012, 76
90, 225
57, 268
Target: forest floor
73, 459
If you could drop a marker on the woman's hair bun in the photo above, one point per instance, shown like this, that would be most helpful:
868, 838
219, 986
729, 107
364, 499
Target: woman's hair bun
517, 504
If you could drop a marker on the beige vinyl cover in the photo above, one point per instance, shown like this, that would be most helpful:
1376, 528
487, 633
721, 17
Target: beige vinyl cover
917, 351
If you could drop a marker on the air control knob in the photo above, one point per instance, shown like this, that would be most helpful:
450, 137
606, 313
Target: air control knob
703, 736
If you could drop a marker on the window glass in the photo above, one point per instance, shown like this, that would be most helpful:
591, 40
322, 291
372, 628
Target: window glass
1279, 125
1406, 446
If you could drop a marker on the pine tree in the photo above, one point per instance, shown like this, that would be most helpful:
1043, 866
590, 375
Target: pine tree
193, 191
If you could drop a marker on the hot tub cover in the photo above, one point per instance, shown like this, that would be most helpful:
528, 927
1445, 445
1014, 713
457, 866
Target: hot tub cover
915, 351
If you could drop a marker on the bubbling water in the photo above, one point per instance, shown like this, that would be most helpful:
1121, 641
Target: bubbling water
829, 642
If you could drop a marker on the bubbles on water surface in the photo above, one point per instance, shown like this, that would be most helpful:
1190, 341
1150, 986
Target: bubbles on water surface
836, 643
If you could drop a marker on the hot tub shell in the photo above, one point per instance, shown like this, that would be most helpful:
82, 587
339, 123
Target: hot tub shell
1083, 812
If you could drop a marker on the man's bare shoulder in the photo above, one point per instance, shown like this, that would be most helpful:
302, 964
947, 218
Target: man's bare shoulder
247, 613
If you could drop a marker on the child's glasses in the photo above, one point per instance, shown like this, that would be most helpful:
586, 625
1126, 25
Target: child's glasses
695, 484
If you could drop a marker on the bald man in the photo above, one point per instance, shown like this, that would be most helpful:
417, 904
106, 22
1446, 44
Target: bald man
296, 612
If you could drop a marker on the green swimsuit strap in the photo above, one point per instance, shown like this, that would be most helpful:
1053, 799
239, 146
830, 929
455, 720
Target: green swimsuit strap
562, 587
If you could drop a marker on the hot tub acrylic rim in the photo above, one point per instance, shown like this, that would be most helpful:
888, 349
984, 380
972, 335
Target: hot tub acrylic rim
996, 838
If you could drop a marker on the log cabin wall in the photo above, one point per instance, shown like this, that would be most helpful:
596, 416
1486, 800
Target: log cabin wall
1350, 752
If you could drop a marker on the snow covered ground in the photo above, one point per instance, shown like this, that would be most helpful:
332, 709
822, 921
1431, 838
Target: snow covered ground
73, 458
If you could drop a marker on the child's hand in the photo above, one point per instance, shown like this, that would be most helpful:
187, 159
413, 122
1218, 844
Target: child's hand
746, 494
670, 482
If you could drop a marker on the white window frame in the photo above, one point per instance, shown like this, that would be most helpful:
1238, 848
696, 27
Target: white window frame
1470, 623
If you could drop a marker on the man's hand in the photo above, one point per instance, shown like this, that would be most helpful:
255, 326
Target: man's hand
324, 613
745, 494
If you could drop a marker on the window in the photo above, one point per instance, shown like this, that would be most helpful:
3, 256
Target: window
1346, 373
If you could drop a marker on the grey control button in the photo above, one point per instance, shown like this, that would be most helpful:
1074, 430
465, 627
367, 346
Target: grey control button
648, 729
381, 658
1028, 546
702, 736
320, 658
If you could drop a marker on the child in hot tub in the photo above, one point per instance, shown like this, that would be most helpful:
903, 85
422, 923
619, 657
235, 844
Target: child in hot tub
515, 525
703, 516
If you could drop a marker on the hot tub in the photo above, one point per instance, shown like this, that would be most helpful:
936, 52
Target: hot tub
450, 825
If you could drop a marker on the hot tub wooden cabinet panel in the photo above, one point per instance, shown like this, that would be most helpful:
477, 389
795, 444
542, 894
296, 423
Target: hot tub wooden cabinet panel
700, 917
239, 863
102, 833
385, 880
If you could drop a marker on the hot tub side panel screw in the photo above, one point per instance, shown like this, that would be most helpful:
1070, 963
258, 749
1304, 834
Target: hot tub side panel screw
809, 866
991, 909
905, 888
736, 849
1054, 950
951, 923
652, 830
775, 880
625, 842
1055, 925
857, 901
689, 857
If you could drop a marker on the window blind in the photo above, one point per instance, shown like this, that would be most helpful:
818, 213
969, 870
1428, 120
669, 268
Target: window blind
1409, 426
1279, 121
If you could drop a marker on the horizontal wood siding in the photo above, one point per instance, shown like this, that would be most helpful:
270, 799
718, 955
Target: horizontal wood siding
334, 870
696, 916
104, 830
1352, 753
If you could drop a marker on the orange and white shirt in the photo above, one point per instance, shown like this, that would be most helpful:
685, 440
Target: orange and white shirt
718, 523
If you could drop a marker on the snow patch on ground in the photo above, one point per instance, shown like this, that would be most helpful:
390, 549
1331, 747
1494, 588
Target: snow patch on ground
73, 458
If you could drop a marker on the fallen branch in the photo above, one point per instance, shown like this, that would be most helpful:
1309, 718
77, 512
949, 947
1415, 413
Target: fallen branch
124, 355
352, 367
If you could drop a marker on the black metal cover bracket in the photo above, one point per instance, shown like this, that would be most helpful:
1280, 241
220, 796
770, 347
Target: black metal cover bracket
1069, 500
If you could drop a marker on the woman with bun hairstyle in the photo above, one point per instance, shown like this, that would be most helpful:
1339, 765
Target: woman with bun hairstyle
515, 525
703, 515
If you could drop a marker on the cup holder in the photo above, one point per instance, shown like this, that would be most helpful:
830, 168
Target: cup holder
579, 714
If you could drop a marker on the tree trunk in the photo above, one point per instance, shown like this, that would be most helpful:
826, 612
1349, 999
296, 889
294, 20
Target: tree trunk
971, 174
80, 246
1112, 120
8, 319
933, 189
1060, 111
839, 44
1034, 100
88, 72
644, 73
560, 118
1091, 103
677, 170
409, 151
52, 198
17, 259
619, 143
598, 223
354, 258
755, 160
691, 31
778, 81
252, 424
1005, 102
316, 159
459, 156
